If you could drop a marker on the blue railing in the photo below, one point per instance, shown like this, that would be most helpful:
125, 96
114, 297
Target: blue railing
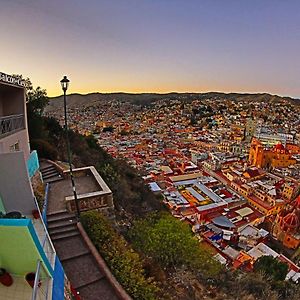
45, 205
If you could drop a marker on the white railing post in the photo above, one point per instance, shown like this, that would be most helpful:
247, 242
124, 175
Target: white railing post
36, 281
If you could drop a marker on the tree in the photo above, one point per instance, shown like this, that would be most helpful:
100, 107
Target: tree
271, 266
37, 100
171, 243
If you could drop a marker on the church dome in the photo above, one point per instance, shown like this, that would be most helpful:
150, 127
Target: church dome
291, 221
279, 147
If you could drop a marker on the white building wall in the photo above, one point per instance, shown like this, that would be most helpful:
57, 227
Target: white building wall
15, 188
20, 137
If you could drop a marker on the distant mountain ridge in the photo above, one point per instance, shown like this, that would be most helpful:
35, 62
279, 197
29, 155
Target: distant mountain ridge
75, 100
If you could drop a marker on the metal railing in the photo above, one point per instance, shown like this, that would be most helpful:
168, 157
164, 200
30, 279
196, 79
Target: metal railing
10, 124
36, 281
42, 283
45, 205
45, 240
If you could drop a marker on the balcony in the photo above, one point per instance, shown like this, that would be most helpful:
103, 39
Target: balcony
11, 124
26, 248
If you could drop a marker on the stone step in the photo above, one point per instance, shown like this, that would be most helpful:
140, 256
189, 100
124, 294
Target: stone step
61, 229
70, 247
49, 175
64, 235
63, 211
49, 172
45, 168
53, 179
65, 218
61, 223
101, 287
79, 254
60, 216
82, 270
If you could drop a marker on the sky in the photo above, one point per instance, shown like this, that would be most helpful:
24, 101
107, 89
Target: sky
153, 45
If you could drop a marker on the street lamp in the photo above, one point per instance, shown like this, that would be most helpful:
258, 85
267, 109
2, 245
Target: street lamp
64, 84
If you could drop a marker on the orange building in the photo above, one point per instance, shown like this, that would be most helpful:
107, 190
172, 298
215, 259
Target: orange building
293, 148
287, 226
261, 157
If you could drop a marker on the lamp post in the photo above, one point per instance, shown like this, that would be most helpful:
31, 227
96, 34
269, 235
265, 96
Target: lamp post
64, 84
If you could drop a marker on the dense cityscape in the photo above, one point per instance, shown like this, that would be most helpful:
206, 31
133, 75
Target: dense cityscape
150, 150
230, 169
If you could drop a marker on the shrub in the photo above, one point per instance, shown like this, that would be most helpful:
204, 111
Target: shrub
272, 267
124, 262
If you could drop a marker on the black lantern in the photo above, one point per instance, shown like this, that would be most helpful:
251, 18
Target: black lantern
64, 83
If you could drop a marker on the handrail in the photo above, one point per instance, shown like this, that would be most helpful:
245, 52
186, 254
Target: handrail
11, 116
36, 281
45, 205
46, 236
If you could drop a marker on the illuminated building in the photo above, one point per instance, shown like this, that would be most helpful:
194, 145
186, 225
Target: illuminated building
286, 228
261, 157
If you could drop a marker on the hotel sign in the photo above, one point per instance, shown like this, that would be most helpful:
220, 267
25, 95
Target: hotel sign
12, 80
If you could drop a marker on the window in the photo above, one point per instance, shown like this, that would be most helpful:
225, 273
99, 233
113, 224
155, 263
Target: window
15, 147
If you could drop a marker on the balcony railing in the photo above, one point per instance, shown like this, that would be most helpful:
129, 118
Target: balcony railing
42, 284
11, 124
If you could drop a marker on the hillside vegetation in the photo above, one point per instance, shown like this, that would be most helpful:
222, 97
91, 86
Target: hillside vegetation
154, 256
75, 100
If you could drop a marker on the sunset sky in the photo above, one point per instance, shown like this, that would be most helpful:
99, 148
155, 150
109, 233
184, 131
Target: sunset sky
154, 45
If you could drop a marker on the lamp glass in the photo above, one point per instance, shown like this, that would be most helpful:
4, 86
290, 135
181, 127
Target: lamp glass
64, 83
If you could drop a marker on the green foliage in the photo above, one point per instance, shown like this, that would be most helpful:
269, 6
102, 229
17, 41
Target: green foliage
44, 149
172, 244
272, 267
124, 263
37, 100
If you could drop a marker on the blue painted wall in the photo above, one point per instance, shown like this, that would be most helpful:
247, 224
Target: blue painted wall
33, 163
58, 281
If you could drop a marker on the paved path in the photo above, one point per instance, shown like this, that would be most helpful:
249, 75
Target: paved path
78, 262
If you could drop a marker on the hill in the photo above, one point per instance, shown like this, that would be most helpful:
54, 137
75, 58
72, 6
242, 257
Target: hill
75, 100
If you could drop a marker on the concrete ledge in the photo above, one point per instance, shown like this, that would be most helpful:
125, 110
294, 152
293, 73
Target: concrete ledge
103, 187
101, 263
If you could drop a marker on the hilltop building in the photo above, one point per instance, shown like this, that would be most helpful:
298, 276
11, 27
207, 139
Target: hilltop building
26, 248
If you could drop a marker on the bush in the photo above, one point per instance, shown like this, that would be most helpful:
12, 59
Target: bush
125, 264
255, 284
44, 149
171, 243
272, 267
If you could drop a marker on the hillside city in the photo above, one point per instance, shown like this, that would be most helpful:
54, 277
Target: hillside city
229, 168
150, 150
148, 196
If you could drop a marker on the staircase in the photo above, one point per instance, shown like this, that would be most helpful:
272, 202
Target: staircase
77, 260
50, 173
